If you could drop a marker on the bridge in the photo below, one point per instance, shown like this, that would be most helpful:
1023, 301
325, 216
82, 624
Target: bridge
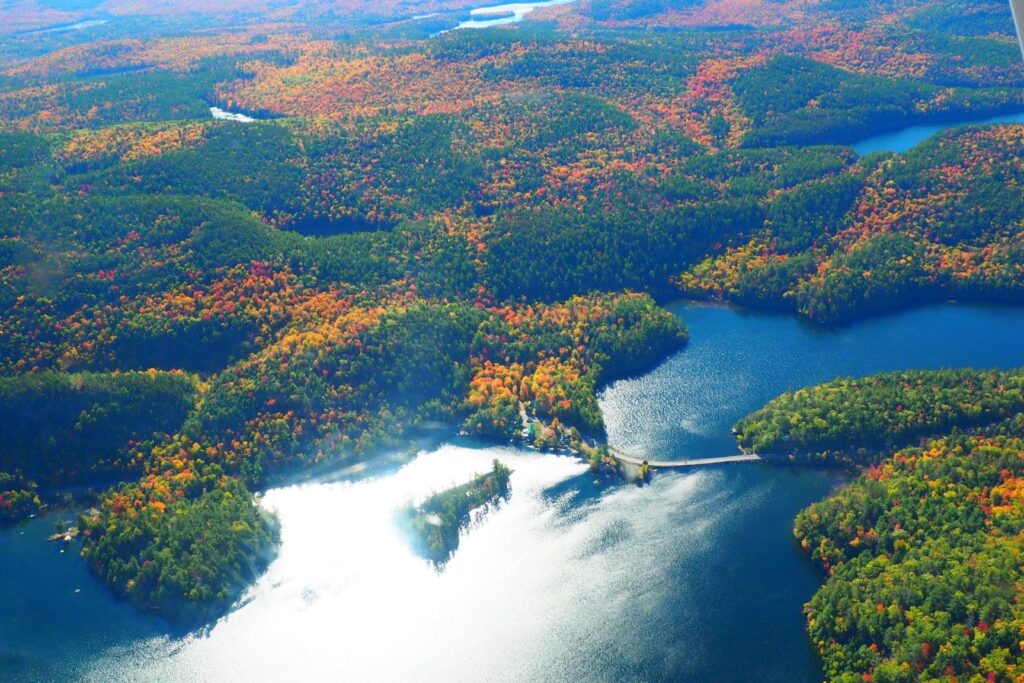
670, 464
622, 456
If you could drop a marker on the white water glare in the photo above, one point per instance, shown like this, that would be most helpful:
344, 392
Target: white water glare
534, 590
225, 115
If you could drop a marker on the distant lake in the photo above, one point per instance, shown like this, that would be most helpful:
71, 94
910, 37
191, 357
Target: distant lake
219, 113
77, 26
693, 578
902, 140
326, 227
497, 15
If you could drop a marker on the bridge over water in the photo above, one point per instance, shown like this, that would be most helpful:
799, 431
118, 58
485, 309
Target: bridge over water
669, 464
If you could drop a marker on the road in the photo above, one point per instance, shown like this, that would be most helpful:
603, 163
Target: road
657, 464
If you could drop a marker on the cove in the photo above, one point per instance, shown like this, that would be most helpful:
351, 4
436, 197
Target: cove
692, 578
902, 140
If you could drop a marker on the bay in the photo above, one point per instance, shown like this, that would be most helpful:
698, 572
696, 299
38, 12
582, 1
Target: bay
694, 577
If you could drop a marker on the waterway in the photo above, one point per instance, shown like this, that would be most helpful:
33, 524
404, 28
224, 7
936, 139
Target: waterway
902, 140
78, 26
692, 578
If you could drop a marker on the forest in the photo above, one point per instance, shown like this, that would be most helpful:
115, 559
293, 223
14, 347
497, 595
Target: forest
882, 411
92, 422
938, 222
419, 234
922, 549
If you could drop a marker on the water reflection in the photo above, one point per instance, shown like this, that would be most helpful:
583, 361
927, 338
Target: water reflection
738, 360
567, 581
225, 115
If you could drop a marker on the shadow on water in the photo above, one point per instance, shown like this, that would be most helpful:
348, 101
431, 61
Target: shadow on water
325, 227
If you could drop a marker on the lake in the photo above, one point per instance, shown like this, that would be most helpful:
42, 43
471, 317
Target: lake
694, 577
497, 15
225, 115
78, 26
343, 225
902, 140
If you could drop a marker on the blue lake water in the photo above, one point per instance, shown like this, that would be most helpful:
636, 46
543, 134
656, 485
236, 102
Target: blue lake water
902, 140
692, 578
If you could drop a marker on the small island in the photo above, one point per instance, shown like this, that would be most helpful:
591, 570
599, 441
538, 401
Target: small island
435, 524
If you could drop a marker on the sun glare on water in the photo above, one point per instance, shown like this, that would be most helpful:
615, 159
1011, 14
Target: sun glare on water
348, 598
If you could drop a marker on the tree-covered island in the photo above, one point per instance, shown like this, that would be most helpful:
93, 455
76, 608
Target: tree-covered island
434, 525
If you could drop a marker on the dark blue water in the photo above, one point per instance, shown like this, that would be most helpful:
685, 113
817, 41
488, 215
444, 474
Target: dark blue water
54, 611
738, 360
692, 578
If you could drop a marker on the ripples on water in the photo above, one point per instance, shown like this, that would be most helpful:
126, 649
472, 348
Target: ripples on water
738, 360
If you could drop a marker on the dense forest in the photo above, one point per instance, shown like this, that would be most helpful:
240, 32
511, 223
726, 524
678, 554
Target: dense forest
92, 420
923, 549
341, 382
881, 411
940, 221
422, 233
924, 558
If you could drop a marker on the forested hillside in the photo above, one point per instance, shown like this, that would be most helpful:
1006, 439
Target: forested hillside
881, 411
938, 222
923, 549
440, 231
